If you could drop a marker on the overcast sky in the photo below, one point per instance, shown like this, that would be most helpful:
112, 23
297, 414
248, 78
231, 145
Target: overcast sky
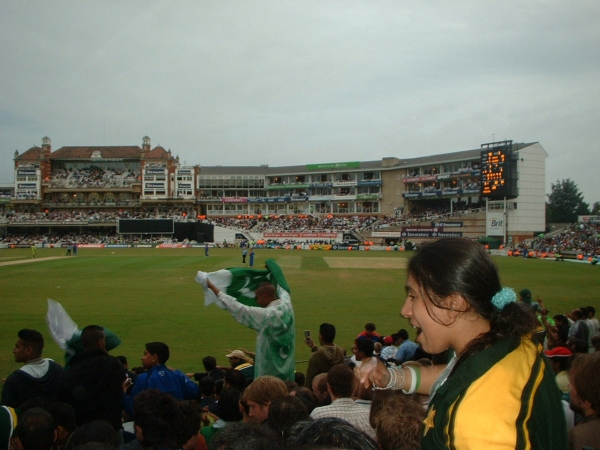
285, 83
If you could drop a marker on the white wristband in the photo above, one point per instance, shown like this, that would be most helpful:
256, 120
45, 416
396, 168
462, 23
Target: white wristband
413, 381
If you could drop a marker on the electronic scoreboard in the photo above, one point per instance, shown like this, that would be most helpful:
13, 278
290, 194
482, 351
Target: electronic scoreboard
497, 170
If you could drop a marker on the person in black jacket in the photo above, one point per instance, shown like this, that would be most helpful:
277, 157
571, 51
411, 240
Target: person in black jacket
93, 383
38, 377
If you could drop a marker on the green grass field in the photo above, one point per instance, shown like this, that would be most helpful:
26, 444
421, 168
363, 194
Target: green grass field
146, 295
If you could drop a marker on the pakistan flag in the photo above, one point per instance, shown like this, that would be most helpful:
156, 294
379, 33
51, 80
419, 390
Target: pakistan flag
241, 283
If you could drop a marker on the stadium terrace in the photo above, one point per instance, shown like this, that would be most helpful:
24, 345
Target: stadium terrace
496, 191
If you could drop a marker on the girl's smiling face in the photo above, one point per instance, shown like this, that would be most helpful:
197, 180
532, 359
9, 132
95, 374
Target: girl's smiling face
435, 337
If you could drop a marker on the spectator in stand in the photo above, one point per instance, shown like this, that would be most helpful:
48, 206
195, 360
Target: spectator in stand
319, 389
390, 347
369, 333
454, 295
207, 392
329, 433
188, 434
579, 328
36, 430
157, 418
98, 431
284, 413
400, 424
323, 358
93, 384
242, 362
307, 397
39, 377
406, 349
210, 370
362, 351
259, 395
158, 376
340, 385
585, 399
228, 411
65, 421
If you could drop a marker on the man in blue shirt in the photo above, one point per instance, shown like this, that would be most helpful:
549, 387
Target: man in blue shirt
159, 376
406, 350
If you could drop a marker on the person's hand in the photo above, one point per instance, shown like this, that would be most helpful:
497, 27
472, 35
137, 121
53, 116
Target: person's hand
372, 370
380, 376
127, 384
202, 278
309, 341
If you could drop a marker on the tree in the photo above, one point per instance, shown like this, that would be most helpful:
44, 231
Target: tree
565, 202
596, 208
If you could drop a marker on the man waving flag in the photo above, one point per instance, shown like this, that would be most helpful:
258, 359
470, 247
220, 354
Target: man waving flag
258, 299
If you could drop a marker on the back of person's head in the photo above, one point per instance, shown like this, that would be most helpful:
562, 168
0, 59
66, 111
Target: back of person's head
367, 346
207, 386
299, 378
327, 332
289, 384
33, 339
264, 390
122, 359
94, 431
591, 311
244, 436
36, 430
92, 337
577, 314
228, 407
160, 349
329, 432
209, 363
584, 378
370, 327
266, 288
340, 380
403, 334
235, 379
284, 412
320, 383
188, 426
400, 423
156, 415
306, 396
35, 402
96, 446
577, 345
64, 419
449, 267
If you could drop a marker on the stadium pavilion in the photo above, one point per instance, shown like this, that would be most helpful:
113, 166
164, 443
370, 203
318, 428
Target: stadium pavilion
496, 190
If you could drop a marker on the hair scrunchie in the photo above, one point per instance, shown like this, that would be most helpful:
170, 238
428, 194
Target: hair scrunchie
504, 297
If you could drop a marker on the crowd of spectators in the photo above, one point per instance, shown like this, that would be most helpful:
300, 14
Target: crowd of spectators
580, 237
94, 216
156, 406
93, 176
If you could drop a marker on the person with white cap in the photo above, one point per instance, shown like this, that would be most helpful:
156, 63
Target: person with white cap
242, 362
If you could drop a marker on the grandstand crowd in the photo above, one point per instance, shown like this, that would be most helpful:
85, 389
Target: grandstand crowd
93, 176
97, 401
580, 237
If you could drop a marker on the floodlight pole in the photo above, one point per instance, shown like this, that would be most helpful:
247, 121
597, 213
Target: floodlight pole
505, 221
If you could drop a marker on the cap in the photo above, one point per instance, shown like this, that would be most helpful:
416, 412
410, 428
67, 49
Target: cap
237, 354
388, 340
525, 295
557, 352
